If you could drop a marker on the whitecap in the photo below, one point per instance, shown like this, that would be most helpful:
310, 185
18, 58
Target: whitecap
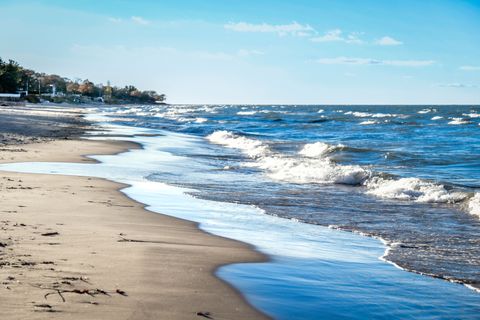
367, 122
285, 168
358, 114
252, 147
427, 110
201, 120
413, 189
246, 113
318, 149
471, 115
456, 121
474, 205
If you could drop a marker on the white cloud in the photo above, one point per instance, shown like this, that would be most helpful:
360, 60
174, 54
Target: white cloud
294, 28
114, 20
456, 85
469, 68
369, 61
139, 20
337, 35
332, 35
134, 19
408, 63
388, 41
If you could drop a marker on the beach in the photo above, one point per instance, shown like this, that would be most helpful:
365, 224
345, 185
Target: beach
140, 227
75, 247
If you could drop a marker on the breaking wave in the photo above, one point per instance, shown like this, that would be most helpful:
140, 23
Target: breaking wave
319, 149
459, 121
312, 164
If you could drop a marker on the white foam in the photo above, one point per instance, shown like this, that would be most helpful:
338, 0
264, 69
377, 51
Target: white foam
201, 120
359, 114
368, 122
456, 121
385, 115
253, 148
132, 110
285, 168
474, 204
316, 167
312, 171
372, 115
321, 111
427, 110
471, 115
246, 113
413, 189
437, 118
318, 149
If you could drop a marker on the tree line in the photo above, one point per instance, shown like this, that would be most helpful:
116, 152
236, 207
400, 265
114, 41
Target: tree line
15, 78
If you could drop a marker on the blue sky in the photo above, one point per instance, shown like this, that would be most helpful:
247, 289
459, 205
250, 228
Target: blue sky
295, 52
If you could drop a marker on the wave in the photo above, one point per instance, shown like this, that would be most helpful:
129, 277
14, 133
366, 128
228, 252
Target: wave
246, 113
437, 118
201, 120
282, 167
253, 148
368, 122
372, 115
474, 205
456, 121
427, 110
314, 166
471, 115
413, 189
319, 149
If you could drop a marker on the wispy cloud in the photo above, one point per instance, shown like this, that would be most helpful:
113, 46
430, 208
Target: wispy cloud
456, 85
114, 20
470, 68
336, 35
139, 20
293, 29
388, 41
135, 19
370, 61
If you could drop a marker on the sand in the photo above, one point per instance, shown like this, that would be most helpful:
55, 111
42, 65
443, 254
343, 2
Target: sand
32, 123
77, 248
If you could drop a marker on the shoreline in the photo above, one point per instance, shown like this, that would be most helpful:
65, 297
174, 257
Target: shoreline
388, 247
255, 273
223, 251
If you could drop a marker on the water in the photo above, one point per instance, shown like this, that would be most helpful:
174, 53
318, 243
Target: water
258, 181
407, 174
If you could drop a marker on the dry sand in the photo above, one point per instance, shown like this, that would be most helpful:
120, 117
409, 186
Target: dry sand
77, 248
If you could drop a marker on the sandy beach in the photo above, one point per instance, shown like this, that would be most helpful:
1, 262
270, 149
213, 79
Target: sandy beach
77, 248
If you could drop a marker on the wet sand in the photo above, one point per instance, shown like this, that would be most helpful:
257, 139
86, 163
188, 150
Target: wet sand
77, 248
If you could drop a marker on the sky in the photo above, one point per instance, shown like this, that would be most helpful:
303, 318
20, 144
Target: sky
256, 52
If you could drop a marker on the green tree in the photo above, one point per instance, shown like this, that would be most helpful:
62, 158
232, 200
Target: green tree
10, 76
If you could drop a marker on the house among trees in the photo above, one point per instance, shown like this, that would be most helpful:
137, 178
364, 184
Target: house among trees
33, 86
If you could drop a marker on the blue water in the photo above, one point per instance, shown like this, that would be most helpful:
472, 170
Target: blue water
258, 188
407, 174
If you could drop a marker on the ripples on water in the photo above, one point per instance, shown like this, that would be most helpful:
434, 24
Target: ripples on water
407, 174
